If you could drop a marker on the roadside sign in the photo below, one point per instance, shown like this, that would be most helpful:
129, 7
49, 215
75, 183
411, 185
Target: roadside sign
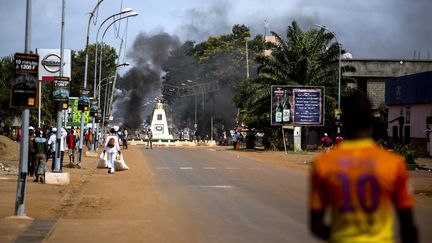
297, 105
61, 92
94, 108
84, 101
75, 114
49, 63
25, 83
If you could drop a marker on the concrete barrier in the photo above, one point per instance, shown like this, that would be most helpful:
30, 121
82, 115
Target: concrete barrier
54, 178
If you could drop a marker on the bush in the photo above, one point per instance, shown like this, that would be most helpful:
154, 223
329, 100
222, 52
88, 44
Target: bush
406, 151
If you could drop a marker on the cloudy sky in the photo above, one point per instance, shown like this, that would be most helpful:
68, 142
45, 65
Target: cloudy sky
367, 29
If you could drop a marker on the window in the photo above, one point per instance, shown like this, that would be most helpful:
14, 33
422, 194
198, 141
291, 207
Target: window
407, 115
159, 117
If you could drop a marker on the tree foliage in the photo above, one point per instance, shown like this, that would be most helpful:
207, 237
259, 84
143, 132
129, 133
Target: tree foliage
7, 113
219, 60
304, 59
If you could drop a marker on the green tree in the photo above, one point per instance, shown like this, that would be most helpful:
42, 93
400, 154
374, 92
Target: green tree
220, 59
304, 58
7, 113
109, 57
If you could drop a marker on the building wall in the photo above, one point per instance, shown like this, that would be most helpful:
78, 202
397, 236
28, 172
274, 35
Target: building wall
386, 68
376, 91
415, 119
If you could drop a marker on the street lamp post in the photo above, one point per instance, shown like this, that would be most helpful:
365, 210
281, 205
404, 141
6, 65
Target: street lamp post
57, 160
106, 91
339, 67
23, 163
195, 121
200, 87
132, 14
92, 14
124, 11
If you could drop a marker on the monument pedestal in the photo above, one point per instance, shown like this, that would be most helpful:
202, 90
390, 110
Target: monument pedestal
159, 124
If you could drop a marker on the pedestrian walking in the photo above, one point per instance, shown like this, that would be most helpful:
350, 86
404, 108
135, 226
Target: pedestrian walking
149, 139
360, 184
241, 140
71, 141
40, 156
31, 151
235, 139
338, 140
112, 147
51, 146
125, 138
52, 142
326, 142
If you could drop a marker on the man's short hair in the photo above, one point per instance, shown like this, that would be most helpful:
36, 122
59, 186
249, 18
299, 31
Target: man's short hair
356, 111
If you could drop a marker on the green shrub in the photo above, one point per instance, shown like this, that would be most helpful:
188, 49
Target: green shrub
406, 151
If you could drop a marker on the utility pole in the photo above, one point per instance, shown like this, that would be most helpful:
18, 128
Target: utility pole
23, 164
85, 80
59, 111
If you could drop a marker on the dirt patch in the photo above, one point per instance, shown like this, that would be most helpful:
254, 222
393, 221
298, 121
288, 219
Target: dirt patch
298, 161
9, 149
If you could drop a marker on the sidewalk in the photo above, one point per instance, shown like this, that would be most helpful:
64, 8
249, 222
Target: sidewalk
95, 207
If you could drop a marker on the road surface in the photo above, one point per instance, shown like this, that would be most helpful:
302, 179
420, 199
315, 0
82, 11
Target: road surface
231, 198
188, 195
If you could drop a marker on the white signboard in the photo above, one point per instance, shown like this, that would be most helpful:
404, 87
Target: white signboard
49, 63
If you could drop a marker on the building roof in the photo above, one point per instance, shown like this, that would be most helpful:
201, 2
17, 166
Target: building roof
409, 89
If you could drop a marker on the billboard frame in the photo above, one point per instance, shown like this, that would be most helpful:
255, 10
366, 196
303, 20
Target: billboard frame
298, 103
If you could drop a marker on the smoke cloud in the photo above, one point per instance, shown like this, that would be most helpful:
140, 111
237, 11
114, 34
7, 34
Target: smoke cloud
148, 53
392, 29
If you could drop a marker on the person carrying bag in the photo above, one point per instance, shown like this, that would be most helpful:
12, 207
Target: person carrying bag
112, 148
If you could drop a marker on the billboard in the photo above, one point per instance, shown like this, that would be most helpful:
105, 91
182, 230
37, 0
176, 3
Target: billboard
25, 85
74, 116
297, 105
49, 63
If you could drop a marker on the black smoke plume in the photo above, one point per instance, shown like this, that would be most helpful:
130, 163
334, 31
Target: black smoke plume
148, 53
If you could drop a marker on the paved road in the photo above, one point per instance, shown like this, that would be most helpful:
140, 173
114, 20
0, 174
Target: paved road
232, 198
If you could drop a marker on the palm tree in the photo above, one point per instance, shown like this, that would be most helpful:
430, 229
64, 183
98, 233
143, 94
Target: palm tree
304, 59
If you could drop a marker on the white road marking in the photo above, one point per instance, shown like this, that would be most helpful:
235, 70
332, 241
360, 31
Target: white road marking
231, 168
216, 186
163, 168
254, 168
186, 168
4, 178
209, 168
212, 149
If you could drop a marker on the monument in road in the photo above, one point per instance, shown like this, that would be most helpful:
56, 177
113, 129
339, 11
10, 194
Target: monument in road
159, 124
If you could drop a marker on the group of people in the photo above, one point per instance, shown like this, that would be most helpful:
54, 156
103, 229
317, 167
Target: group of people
43, 145
327, 142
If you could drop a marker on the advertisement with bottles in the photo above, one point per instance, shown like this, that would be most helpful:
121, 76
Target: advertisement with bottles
297, 105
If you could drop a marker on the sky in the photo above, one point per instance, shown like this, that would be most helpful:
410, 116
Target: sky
384, 29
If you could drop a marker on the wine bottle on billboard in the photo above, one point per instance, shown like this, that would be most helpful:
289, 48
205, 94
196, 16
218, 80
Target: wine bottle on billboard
286, 111
278, 115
